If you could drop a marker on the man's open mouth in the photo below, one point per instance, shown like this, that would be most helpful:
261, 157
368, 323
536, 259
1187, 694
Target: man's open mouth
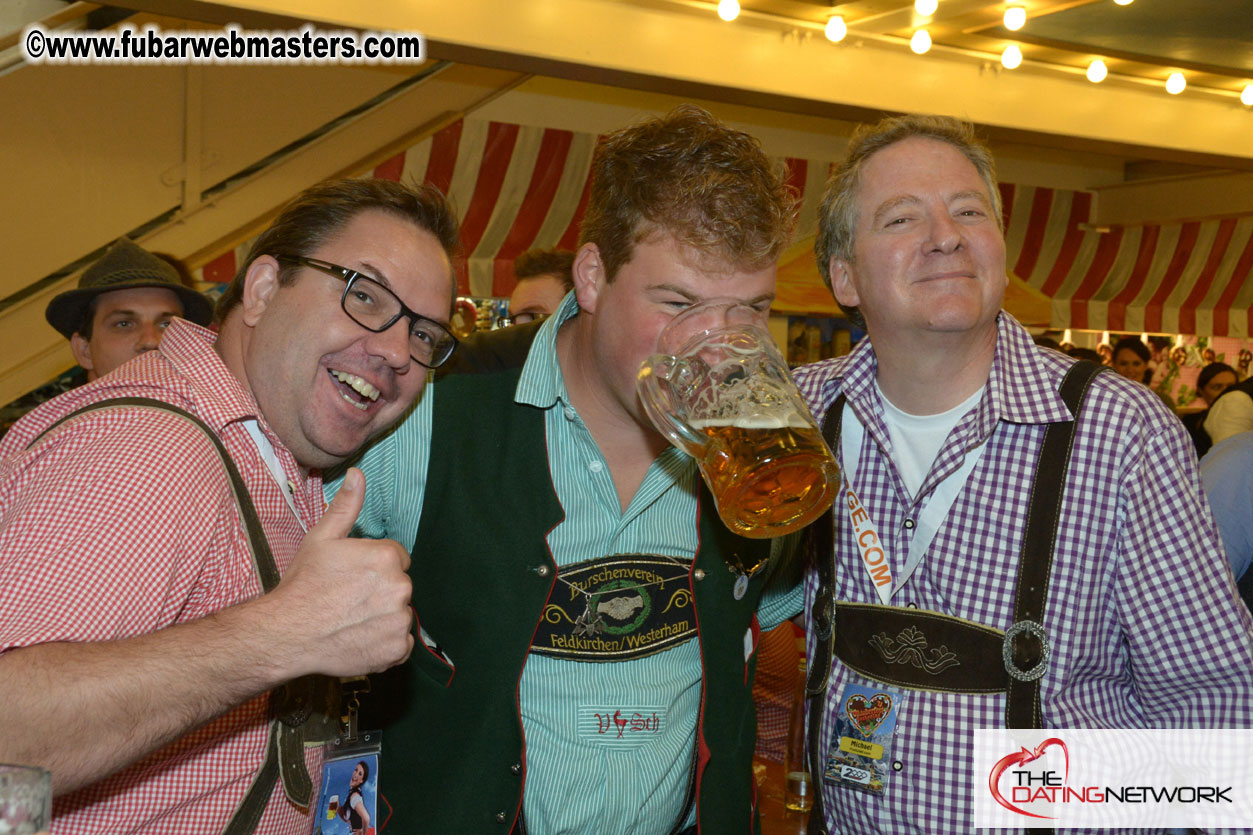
354, 389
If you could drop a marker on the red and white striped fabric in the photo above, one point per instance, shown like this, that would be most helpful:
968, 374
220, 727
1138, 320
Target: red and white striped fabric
1175, 278
516, 187
121, 522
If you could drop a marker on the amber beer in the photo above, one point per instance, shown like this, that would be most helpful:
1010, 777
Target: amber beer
333, 807
769, 475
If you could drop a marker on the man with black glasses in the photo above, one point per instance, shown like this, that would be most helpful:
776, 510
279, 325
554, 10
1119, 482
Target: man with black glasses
168, 629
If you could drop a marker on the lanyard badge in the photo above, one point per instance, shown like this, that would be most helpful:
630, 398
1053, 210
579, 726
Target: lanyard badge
870, 546
860, 756
348, 804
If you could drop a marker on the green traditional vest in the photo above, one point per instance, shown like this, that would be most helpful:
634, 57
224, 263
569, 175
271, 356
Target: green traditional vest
454, 758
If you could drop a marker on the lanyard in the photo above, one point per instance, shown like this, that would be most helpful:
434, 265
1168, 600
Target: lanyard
275, 468
871, 547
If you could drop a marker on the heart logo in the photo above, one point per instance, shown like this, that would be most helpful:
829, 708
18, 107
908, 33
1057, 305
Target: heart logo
866, 715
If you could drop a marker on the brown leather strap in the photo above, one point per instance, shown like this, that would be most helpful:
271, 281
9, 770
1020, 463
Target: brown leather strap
262, 558
294, 702
920, 649
1030, 645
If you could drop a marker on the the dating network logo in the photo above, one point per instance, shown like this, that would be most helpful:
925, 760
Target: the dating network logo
1022, 790
1108, 778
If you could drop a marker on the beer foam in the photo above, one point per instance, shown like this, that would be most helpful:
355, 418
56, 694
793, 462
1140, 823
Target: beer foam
789, 421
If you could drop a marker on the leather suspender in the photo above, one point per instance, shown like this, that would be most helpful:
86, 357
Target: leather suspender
293, 703
1012, 662
1028, 644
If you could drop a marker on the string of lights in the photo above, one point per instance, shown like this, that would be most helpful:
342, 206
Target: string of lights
837, 29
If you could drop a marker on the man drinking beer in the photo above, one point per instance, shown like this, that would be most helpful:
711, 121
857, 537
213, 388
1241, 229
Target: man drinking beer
588, 655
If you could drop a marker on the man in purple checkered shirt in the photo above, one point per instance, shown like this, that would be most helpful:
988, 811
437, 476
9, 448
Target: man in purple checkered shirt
947, 403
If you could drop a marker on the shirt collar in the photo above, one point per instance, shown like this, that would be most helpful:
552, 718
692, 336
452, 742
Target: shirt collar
541, 383
220, 396
1020, 387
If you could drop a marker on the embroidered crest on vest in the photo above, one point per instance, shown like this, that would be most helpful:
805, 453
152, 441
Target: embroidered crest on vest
617, 608
910, 647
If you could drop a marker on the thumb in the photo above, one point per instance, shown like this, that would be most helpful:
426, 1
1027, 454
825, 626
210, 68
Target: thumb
343, 510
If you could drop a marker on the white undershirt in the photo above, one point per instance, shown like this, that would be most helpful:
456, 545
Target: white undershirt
916, 439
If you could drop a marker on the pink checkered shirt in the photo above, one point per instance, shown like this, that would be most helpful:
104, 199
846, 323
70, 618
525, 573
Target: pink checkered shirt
121, 522
1142, 613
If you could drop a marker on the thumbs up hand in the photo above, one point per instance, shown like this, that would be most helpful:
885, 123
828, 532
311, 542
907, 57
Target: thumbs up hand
346, 601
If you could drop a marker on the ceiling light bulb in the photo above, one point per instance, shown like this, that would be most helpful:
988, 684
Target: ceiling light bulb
1015, 18
1011, 57
1124, 2
837, 29
1176, 83
728, 9
926, 8
920, 42
1097, 71
1247, 96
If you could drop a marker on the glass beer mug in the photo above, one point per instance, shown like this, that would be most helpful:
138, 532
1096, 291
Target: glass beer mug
719, 390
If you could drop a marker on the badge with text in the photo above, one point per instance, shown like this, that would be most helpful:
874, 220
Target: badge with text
865, 727
617, 608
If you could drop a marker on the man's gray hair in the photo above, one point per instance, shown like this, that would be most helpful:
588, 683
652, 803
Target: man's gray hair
837, 217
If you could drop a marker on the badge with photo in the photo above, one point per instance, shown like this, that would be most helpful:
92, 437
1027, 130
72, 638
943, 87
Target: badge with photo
348, 804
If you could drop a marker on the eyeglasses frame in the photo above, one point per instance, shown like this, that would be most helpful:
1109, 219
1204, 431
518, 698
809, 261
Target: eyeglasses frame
349, 277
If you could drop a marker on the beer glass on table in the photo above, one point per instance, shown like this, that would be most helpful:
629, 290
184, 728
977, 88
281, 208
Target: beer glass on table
718, 389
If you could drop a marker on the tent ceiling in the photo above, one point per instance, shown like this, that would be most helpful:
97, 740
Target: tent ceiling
201, 159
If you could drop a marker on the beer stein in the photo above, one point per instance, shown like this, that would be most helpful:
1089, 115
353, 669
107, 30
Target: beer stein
719, 390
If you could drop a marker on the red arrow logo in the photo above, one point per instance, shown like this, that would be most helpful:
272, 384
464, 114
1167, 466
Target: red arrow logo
1023, 757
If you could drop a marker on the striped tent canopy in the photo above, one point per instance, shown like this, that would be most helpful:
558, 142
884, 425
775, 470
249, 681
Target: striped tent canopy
1190, 278
517, 187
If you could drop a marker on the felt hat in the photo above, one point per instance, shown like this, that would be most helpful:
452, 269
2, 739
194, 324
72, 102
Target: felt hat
126, 266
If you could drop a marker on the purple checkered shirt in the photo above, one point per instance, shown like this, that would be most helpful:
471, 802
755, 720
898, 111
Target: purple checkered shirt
1145, 623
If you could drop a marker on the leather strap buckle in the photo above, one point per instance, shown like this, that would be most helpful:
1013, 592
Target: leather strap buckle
1027, 627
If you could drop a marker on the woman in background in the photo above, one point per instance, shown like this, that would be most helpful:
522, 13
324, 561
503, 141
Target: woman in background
1131, 359
1213, 380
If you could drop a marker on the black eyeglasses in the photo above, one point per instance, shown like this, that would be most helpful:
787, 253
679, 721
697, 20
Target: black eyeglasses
375, 308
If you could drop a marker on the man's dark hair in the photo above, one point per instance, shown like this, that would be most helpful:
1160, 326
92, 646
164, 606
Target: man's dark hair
689, 176
1085, 354
537, 262
318, 213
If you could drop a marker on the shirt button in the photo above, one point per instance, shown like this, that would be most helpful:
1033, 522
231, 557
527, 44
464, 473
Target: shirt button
569, 416
542, 570
897, 765
515, 769
912, 605
909, 524
501, 817
596, 466
699, 574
